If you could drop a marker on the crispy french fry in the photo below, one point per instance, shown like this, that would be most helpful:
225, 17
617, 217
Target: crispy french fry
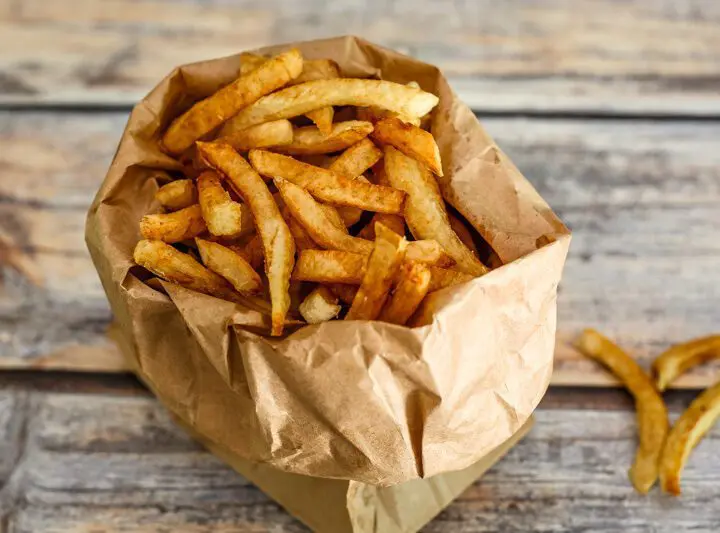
425, 211
333, 215
379, 176
682, 357
231, 266
223, 216
356, 159
172, 265
250, 61
428, 252
312, 215
346, 293
651, 412
411, 141
299, 99
412, 286
303, 241
177, 194
442, 278
394, 222
277, 242
318, 160
685, 434
319, 306
183, 224
323, 119
209, 113
463, 233
310, 140
351, 215
317, 69
328, 186
380, 272
252, 252
265, 135
330, 266
375, 114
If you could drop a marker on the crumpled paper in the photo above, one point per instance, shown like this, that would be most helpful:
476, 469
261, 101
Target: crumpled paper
364, 401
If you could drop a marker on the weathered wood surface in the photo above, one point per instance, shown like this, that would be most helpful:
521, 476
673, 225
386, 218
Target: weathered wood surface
640, 196
593, 56
86, 462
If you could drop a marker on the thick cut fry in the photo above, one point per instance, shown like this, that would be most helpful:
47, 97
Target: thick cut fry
312, 215
651, 412
333, 215
177, 194
330, 266
209, 113
184, 224
250, 61
394, 222
687, 432
682, 357
172, 265
231, 266
252, 252
323, 119
268, 134
277, 241
380, 272
356, 159
412, 286
425, 211
463, 233
351, 215
328, 186
379, 176
442, 278
320, 305
375, 114
299, 99
346, 293
310, 140
428, 252
223, 216
411, 141
303, 241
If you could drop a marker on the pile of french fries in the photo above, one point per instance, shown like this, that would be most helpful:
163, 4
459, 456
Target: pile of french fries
662, 451
299, 182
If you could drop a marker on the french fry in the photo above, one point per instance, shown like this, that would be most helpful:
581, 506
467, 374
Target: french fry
183, 224
303, 241
299, 99
463, 233
356, 159
327, 186
317, 160
351, 215
223, 216
250, 61
330, 266
313, 217
425, 211
394, 222
376, 114
252, 252
411, 141
177, 194
380, 272
442, 278
317, 69
682, 357
686, 433
323, 119
346, 293
277, 241
176, 267
333, 215
209, 113
412, 286
379, 176
428, 252
265, 135
310, 140
231, 266
319, 306
651, 412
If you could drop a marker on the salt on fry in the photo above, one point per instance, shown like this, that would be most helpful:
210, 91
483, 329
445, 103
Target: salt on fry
178, 226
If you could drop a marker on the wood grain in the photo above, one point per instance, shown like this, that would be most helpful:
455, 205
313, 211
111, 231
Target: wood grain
640, 196
599, 57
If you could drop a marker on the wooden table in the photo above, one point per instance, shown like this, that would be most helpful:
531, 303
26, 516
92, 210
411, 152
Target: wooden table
611, 109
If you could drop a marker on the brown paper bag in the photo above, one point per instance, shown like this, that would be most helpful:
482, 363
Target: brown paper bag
363, 401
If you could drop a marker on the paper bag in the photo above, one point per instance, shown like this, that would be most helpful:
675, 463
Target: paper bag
363, 401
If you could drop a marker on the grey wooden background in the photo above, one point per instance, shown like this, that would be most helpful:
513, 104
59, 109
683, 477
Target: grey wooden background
612, 110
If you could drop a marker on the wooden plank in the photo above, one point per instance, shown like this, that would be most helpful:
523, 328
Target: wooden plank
509, 56
631, 191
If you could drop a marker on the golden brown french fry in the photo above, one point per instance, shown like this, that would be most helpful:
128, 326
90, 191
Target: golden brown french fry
313, 217
351, 215
356, 159
177, 194
317, 69
442, 278
328, 186
394, 222
320, 305
310, 140
428, 252
231, 266
375, 114
183, 224
209, 113
330, 266
425, 211
463, 233
223, 216
412, 286
323, 119
317, 160
252, 252
651, 412
333, 215
346, 293
411, 141
686, 433
172, 265
299, 99
380, 272
379, 176
303, 241
277, 241
682, 357
265, 135
250, 61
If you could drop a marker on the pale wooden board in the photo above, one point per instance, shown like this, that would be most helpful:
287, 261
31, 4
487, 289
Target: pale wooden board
589, 55
640, 196
118, 464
